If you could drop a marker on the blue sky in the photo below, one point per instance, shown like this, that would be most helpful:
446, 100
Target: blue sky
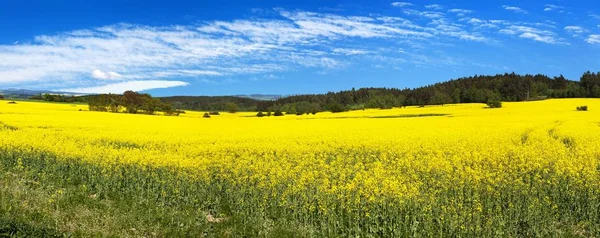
273, 47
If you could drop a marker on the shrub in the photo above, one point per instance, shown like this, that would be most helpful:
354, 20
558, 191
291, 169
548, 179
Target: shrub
206, 115
269, 113
582, 108
12, 102
260, 114
492, 103
278, 113
214, 113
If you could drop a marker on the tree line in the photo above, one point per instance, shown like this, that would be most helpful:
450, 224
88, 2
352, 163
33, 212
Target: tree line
475, 89
488, 89
130, 102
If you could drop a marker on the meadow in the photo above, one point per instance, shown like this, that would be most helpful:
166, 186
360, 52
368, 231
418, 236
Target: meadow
527, 169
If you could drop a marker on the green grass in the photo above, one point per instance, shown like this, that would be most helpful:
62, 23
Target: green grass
44, 197
42, 203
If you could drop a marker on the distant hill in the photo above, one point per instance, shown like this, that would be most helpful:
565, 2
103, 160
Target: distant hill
25, 93
262, 97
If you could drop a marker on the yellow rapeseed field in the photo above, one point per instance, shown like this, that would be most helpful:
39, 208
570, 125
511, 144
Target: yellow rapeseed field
526, 169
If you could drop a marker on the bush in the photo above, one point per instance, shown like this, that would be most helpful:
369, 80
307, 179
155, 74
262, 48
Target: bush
582, 108
492, 103
269, 113
278, 113
260, 114
214, 113
206, 115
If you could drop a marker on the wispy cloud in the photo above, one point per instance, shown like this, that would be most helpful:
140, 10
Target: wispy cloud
575, 31
552, 7
532, 33
401, 4
426, 14
460, 12
513, 9
141, 57
131, 85
593, 39
434, 6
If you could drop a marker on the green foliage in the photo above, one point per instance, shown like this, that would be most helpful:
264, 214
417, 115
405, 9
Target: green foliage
214, 113
131, 102
260, 114
582, 108
494, 103
231, 107
440, 98
206, 115
386, 101
277, 110
58, 98
336, 107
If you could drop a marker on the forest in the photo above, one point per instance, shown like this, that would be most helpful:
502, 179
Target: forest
509, 87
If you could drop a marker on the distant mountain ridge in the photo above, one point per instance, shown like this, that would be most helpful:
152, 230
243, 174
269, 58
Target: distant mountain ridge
262, 97
26, 93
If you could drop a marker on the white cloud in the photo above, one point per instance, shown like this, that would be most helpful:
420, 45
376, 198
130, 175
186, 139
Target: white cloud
350, 51
574, 30
425, 14
595, 16
552, 7
460, 12
593, 39
514, 9
401, 4
479, 23
434, 6
98, 74
124, 86
254, 47
532, 33
536, 37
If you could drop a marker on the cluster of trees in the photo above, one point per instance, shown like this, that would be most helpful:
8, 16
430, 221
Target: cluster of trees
298, 108
217, 103
58, 98
130, 102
